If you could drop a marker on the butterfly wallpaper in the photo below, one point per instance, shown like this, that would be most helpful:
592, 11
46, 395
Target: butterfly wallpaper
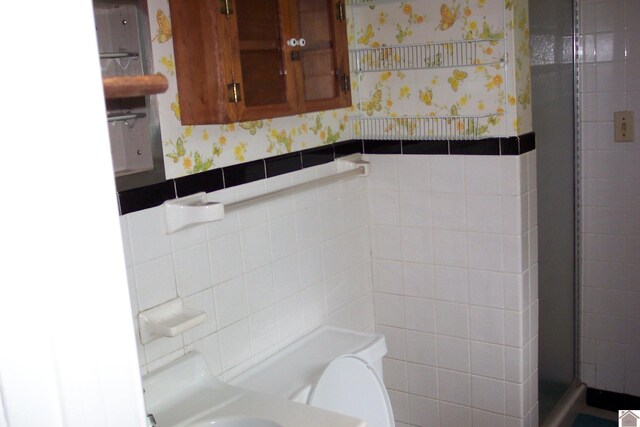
488, 84
496, 87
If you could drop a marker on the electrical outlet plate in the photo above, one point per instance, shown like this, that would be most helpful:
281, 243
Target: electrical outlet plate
623, 125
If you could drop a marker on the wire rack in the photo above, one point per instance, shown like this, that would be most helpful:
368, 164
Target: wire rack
428, 55
417, 128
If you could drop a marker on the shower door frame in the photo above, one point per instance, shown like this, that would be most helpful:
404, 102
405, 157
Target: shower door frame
577, 187
563, 402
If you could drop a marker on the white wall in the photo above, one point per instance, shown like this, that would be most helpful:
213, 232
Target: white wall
67, 355
454, 246
610, 43
264, 275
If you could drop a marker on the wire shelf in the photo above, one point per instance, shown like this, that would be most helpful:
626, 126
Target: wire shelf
124, 116
428, 55
118, 55
418, 128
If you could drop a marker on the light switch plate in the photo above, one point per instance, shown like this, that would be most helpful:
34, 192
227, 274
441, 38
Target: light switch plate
623, 125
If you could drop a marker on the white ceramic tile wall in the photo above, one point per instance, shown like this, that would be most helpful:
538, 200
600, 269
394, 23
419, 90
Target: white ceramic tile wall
610, 41
264, 275
455, 287
453, 276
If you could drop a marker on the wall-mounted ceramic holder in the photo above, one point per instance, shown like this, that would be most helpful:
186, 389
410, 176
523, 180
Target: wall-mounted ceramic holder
352, 161
191, 210
168, 320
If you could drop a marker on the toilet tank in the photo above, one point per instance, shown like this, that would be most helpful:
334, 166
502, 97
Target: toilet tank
292, 372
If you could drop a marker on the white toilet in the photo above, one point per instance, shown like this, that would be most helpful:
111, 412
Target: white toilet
331, 368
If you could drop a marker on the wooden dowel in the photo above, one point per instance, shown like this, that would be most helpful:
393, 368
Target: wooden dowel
127, 87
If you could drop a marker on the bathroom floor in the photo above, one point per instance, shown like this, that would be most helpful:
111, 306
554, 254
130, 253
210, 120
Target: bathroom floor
594, 417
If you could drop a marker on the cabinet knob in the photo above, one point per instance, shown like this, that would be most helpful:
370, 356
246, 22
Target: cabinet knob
296, 42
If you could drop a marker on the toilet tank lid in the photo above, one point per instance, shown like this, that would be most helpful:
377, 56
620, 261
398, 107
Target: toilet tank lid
301, 363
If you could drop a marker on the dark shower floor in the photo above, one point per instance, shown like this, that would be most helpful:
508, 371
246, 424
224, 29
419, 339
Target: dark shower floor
595, 417
587, 416
586, 420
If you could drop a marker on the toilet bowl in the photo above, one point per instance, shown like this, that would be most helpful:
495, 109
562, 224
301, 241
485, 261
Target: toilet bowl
336, 369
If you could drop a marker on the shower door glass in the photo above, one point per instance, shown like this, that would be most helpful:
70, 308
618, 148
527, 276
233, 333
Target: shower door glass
552, 41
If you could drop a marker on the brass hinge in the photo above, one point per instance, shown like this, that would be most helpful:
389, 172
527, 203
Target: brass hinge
226, 8
345, 83
341, 12
233, 92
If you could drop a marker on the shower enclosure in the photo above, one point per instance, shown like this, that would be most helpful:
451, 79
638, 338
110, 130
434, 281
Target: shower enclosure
553, 86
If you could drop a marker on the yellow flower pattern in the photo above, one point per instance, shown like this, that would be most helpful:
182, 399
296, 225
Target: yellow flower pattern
426, 96
239, 151
175, 107
169, 64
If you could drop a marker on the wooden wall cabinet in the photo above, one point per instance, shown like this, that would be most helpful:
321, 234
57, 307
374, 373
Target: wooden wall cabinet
240, 60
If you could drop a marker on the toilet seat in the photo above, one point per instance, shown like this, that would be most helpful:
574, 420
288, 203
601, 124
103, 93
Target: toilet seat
350, 386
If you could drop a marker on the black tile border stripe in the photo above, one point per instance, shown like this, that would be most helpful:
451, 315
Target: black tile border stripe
317, 156
509, 147
211, 180
516, 145
425, 147
611, 401
382, 146
244, 173
141, 198
230, 176
283, 164
527, 142
483, 147
346, 148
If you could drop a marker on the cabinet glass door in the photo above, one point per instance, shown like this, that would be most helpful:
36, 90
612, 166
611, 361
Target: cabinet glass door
317, 56
262, 61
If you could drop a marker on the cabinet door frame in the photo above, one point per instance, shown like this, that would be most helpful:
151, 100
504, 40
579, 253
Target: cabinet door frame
340, 58
244, 112
202, 57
